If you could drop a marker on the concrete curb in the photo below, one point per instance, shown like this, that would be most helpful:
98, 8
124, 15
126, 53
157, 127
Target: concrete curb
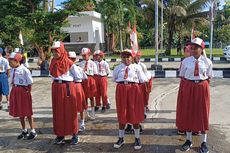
155, 74
32, 60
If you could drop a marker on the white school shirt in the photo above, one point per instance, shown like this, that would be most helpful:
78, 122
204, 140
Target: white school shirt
82, 75
135, 74
188, 67
144, 69
4, 64
72, 74
91, 67
22, 76
105, 70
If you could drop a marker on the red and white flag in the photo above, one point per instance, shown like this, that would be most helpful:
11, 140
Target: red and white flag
133, 38
20, 38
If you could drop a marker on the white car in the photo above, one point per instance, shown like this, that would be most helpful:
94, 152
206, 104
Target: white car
227, 52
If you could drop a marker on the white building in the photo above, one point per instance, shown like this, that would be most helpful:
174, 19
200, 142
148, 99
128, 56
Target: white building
85, 30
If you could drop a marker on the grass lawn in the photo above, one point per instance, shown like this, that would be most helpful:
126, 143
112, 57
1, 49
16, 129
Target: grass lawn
150, 53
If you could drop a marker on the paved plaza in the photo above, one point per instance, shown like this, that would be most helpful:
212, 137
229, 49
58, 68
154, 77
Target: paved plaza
159, 135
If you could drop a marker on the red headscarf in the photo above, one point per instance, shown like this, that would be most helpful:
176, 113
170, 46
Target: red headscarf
61, 65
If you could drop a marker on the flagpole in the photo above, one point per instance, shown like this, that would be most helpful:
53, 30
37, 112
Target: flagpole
156, 32
162, 8
156, 66
211, 27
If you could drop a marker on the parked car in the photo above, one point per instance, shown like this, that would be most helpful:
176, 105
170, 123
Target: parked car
226, 51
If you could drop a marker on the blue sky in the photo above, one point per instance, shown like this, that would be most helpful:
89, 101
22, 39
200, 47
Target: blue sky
58, 2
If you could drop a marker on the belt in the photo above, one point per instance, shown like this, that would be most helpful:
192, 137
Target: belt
125, 82
62, 81
67, 85
101, 75
2, 72
16, 85
197, 81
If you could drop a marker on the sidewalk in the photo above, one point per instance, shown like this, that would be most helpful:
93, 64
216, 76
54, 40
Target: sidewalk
159, 136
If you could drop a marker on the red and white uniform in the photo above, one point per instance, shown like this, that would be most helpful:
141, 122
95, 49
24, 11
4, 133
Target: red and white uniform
20, 95
79, 89
129, 103
64, 98
66, 102
89, 85
146, 87
195, 106
102, 82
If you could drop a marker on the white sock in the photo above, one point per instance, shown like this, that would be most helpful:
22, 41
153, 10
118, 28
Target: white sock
145, 111
24, 130
121, 133
137, 133
82, 122
189, 136
203, 138
92, 110
32, 130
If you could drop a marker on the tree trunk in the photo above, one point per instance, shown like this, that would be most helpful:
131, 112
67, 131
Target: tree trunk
40, 52
111, 41
31, 5
170, 37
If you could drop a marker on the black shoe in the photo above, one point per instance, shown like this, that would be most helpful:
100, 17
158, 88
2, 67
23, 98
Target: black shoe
22, 135
32, 135
204, 148
103, 109
74, 140
119, 143
128, 129
108, 106
180, 132
137, 144
141, 129
59, 140
187, 145
96, 108
147, 109
145, 116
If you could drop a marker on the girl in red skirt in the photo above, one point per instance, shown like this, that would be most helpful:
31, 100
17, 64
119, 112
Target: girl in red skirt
80, 92
64, 99
195, 104
20, 95
129, 103
146, 87
187, 53
101, 81
89, 85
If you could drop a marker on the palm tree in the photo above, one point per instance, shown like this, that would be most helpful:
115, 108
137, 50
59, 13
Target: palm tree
180, 14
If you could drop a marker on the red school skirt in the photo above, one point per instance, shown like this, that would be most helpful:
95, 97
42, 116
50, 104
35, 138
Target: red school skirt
129, 103
179, 107
146, 88
64, 102
194, 106
80, 97
20, 101
89, 87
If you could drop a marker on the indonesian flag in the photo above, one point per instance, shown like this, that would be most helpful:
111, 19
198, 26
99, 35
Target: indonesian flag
133, 38
20, 38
